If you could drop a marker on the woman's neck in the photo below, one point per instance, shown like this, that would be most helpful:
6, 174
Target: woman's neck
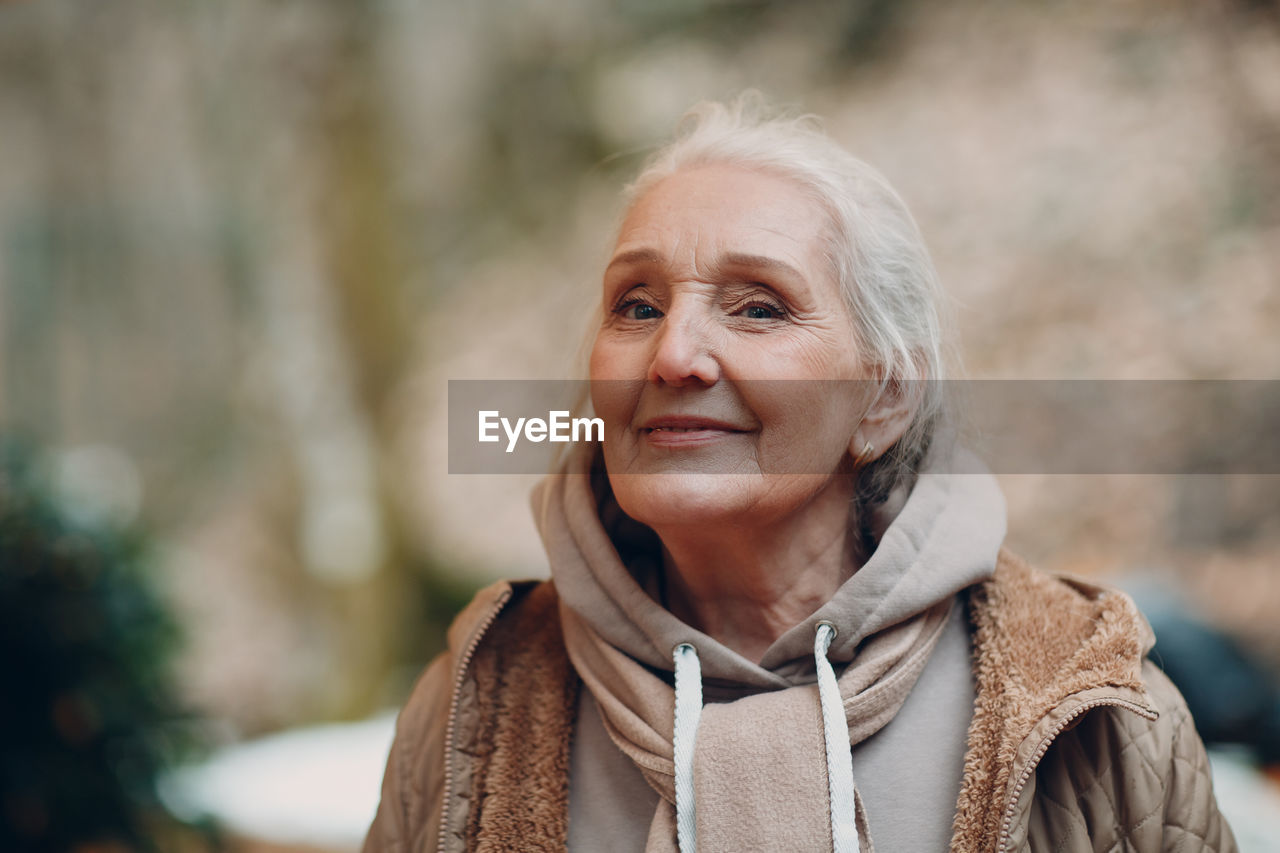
747, 586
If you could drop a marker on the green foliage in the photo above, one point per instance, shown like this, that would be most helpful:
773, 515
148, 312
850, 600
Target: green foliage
89, 716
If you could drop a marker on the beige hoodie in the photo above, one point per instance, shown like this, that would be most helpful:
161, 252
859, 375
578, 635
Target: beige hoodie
759, 767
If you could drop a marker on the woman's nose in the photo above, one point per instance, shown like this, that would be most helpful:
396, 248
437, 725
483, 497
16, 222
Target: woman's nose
682, 353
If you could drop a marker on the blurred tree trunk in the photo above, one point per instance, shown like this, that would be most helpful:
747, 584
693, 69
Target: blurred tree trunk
360, 237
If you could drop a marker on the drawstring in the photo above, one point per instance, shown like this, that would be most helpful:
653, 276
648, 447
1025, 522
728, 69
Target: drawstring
835, 732
688, 710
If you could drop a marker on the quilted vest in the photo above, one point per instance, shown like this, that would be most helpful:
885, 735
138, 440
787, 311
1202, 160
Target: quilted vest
1059, 670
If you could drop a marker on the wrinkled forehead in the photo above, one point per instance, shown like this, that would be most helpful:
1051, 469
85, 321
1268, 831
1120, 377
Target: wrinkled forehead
699, 215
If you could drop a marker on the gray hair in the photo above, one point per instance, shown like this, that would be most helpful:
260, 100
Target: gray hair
873, 245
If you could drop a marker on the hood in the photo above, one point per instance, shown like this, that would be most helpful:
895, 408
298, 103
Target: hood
945, 537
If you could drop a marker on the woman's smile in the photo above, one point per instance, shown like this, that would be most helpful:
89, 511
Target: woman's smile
677, 432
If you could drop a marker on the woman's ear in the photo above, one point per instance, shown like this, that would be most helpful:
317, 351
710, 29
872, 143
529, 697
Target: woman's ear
888, 418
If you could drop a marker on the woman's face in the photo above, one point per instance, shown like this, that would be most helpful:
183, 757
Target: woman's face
718, 298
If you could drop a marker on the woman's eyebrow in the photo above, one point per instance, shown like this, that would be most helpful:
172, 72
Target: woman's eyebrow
763, 263
635, 256
739, 260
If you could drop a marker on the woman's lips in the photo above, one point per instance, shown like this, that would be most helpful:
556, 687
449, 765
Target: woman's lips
686, 431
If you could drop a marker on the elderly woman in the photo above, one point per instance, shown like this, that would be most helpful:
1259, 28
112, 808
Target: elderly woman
780, 617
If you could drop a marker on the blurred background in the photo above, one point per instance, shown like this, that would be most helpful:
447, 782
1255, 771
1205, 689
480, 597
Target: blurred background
244, 245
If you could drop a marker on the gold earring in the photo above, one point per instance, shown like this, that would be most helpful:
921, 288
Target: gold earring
864, 457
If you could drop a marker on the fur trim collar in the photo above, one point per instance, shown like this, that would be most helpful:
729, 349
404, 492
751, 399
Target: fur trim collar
1046, 649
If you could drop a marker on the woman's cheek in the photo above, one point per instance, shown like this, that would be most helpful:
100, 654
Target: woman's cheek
615, 401
614, 357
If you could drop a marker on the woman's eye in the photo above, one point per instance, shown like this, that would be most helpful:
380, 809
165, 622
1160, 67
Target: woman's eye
638, 310
760, 311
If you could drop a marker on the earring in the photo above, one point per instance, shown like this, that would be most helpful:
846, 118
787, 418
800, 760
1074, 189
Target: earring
864, 458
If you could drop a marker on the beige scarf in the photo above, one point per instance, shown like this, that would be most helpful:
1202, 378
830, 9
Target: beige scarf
760, 777
760, 761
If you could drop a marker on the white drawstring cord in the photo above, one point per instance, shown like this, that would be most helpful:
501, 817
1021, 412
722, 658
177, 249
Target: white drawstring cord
688, 710
835, 730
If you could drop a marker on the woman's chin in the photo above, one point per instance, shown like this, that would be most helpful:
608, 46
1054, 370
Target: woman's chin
680, 499
684, 499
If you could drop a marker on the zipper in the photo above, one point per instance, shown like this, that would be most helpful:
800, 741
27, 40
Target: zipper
451, 726
1006, 827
